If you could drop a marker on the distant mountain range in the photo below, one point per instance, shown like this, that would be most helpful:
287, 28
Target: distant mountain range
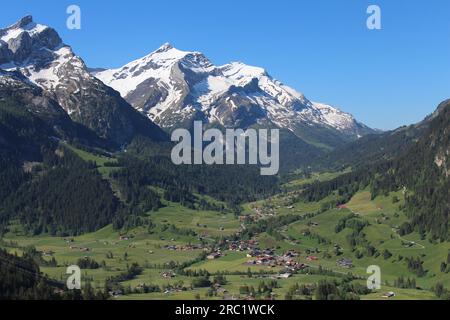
174, 87
171, 88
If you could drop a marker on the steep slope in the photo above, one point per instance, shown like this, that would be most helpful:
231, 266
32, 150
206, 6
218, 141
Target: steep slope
174, 87
424, 171
421, 170
376, 147
38, 53
30, 116
22, 279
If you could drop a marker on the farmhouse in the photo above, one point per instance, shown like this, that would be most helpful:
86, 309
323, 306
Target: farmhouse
115, 293
345, 263
389, 294
214, 255
48, 253
168, 274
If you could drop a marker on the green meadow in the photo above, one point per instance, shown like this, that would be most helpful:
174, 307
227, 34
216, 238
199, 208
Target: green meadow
172, 226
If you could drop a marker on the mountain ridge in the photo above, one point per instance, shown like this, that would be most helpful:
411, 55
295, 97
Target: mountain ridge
172, 86
38, 53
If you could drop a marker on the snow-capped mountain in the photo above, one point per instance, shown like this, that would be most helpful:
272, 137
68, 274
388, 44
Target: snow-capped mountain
170, 87
37, 52
173, 87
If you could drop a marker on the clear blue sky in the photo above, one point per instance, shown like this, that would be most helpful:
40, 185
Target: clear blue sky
322, 48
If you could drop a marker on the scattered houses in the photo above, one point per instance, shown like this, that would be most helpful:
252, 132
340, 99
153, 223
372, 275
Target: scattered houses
187, 247
82, 249
242, 245
263, 212
268, 258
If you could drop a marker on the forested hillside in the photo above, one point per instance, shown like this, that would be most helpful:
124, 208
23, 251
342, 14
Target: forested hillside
424, 173
21, 279
421, 172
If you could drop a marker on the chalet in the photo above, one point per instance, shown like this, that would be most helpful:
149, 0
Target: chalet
342, 206
389, 294
284, 275
115, 293
48, 253
312, 258
214, 255
290, 254
345, 263
222, 290
58, 291
168, 274
124, 237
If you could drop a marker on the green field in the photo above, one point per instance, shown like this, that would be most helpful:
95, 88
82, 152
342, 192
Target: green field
314, 236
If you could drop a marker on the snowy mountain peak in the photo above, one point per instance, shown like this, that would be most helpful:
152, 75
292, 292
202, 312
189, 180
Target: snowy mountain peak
26, 20
172, 86
165, 47
19, 40
163, 64
37, 53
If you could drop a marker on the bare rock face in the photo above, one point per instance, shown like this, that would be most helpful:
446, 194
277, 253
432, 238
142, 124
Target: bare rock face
21, 46
5, 53
23, 22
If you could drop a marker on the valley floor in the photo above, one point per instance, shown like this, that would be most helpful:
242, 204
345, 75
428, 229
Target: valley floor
183, 245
